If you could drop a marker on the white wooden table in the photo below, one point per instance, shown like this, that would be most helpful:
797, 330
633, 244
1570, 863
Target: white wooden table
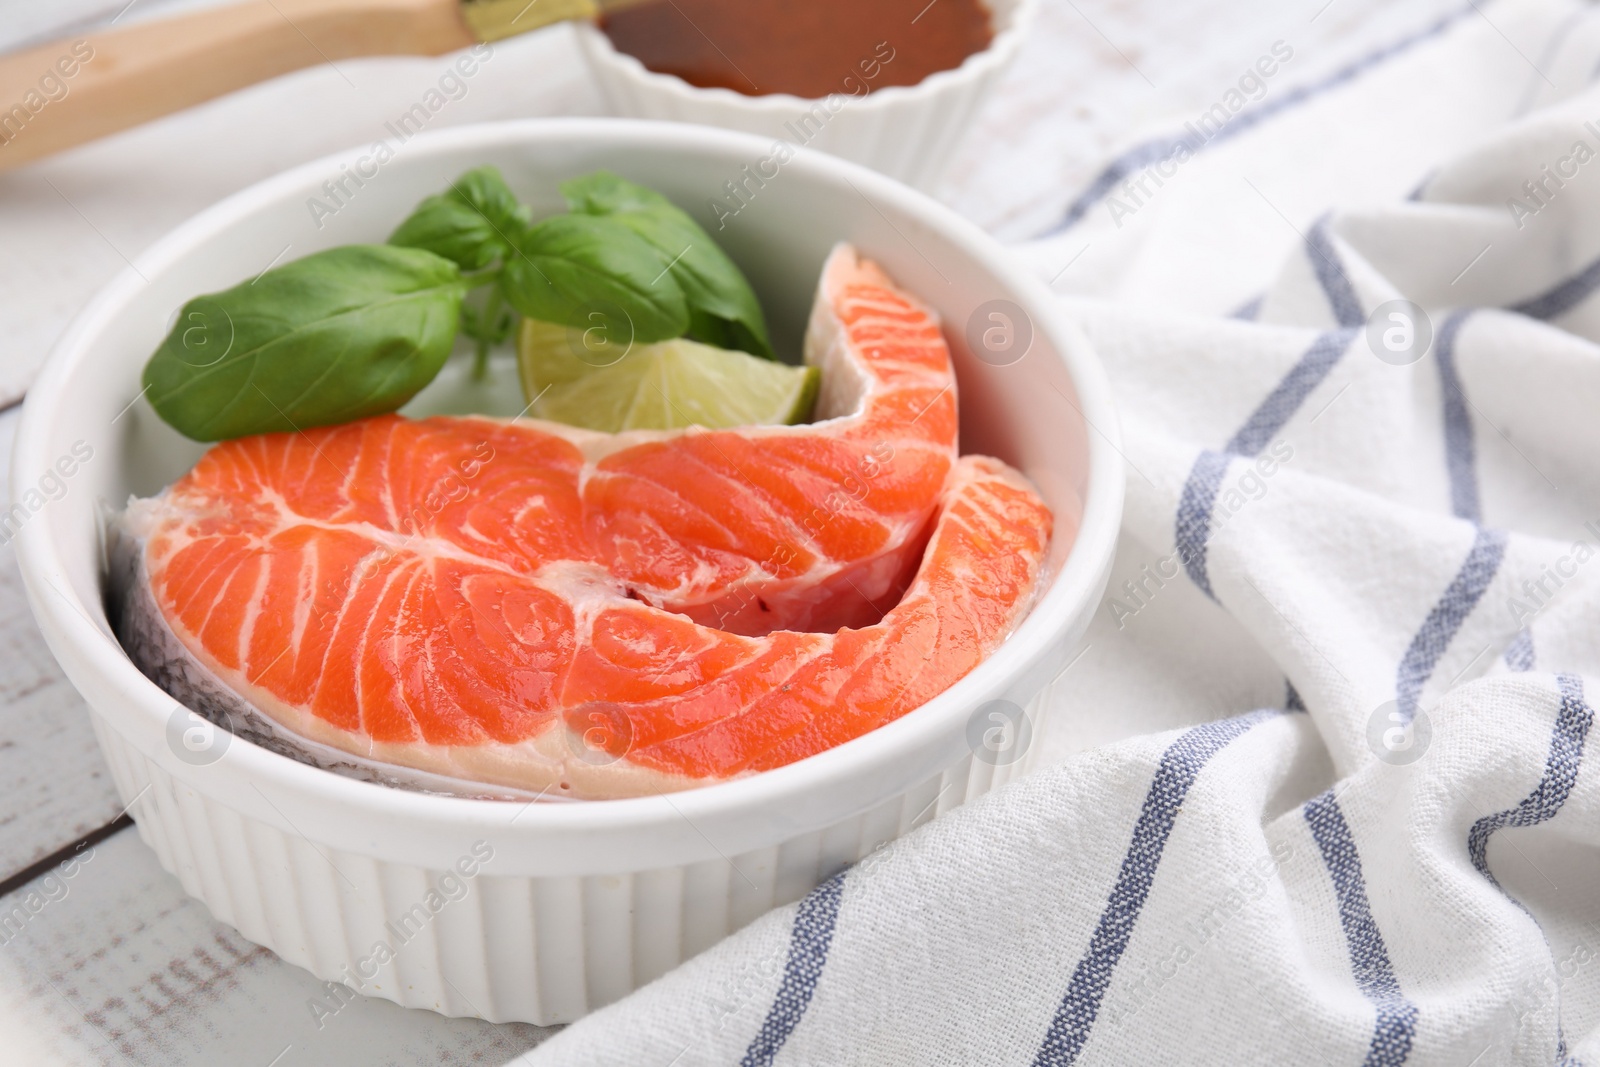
114, 964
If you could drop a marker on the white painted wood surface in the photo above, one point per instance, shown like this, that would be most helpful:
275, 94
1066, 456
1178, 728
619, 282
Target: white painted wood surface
115, 965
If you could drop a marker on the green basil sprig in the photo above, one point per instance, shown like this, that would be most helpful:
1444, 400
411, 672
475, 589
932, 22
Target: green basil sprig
359, 330
723, 309
335, 336
473, 222
565, 269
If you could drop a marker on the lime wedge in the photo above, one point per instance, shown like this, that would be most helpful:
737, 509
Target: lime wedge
663, 386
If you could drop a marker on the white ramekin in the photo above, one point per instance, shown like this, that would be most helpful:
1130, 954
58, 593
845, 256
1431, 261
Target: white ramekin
907, 132
577, 903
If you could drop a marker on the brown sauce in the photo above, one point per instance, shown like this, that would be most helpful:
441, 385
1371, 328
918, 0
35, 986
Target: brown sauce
809, 48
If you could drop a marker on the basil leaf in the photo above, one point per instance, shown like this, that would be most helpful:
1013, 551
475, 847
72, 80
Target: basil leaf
568, 268
723, 308
605, 193
336, 336
472, 223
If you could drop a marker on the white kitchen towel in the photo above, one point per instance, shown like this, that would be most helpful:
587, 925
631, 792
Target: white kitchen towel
1360, 573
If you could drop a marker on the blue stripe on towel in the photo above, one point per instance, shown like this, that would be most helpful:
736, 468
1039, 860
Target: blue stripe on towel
808, 955
1560, 773
1442, 623
1459, 452
1369, 958
1248, 311
1124, 166
1193, 526
1194, 515
1285, 399
1153, 151
1180, 765
1519, 654
1565, 296
1561, 766
1331, 276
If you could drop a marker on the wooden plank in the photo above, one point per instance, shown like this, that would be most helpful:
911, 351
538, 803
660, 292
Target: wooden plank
106, 961
54, 786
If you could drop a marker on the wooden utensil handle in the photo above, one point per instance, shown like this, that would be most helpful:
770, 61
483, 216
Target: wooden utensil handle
63, 94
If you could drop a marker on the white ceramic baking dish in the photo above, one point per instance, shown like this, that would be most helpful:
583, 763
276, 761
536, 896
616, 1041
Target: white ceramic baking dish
905, 131
541, 913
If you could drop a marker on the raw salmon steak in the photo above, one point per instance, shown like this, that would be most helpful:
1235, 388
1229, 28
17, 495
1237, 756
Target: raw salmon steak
529, 605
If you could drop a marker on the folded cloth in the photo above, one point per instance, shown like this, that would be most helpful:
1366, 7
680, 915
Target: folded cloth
1360, 576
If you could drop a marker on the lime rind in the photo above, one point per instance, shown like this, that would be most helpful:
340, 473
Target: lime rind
662, 386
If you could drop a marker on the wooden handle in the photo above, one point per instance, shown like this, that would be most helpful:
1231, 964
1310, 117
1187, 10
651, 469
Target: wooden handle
63, 94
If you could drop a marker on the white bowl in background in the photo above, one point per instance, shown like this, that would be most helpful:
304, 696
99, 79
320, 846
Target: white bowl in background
908, 132
578, 903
